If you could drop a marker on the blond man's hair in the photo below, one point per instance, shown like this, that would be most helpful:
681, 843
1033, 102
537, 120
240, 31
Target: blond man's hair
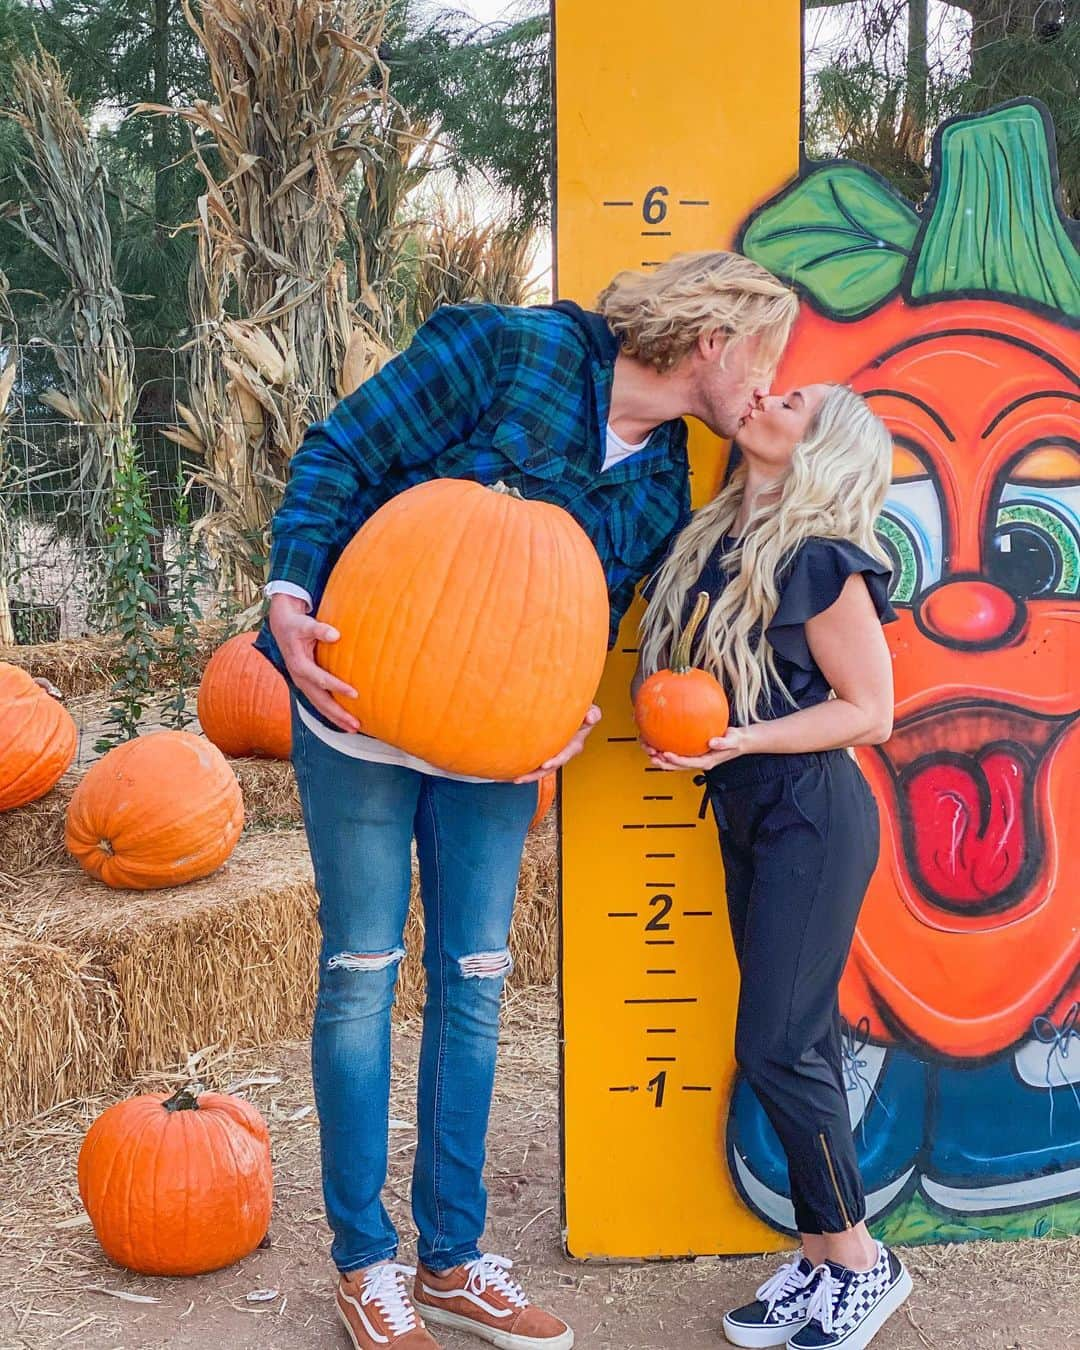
658, 316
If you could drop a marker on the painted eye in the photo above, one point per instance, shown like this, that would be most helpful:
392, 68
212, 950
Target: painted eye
1035, 551
910, 530
1035, 546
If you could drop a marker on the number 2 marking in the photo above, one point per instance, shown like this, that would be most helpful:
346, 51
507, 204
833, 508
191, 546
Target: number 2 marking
658, 923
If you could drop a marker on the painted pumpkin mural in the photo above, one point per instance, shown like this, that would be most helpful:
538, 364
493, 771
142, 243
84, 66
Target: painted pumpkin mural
959, 325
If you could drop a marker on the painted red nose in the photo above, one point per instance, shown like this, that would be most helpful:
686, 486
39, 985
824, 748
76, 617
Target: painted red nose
971, 613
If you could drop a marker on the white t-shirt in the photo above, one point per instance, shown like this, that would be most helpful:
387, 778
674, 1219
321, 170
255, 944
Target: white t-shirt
360, 746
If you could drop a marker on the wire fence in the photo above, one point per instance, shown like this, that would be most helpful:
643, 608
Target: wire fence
52, 549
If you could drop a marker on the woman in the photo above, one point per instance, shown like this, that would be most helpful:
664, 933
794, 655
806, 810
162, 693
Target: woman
798, 591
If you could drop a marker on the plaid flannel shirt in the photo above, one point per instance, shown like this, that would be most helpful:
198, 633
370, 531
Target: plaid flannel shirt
486, 392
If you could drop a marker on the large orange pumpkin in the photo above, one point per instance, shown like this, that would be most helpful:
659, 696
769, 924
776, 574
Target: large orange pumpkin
160, 810
473, 627
680, 710
178, 1185
37, 738
244, 702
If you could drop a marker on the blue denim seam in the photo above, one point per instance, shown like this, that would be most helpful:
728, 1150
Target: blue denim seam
440, 1055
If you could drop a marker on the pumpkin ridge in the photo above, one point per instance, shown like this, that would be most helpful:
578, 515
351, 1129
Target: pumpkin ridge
490, 579
224, 1127
138, 1125
476, 504
496, 682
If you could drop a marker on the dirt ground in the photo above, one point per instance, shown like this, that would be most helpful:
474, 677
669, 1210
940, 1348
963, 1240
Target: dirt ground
57, 1289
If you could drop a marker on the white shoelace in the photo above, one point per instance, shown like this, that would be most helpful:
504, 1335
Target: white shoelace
490, 1272
823, 1299
789, 1279
385, 1287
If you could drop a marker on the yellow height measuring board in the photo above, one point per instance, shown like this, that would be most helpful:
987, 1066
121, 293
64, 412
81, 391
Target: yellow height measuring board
673, 120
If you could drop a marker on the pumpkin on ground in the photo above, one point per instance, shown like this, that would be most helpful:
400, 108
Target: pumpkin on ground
244, 702
545, 798
160, 810
177, 1185
37, 738
680, 710
473, 627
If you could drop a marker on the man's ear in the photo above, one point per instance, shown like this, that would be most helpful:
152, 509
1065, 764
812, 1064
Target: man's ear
711, 344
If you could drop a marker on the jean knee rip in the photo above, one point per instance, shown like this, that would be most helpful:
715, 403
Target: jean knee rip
365, 960
486, 965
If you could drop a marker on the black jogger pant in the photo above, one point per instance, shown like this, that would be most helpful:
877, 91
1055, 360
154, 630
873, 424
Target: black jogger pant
799, 838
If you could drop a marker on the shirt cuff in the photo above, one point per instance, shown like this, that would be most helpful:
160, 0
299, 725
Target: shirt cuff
287, 588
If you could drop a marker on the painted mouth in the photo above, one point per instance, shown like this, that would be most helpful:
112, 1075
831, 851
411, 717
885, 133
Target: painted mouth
965, 780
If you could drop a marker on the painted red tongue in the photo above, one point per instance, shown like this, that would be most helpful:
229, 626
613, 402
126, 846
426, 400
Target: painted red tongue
967, 818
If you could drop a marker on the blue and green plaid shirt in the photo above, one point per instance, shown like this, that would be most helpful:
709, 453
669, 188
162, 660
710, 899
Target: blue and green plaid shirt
486, 392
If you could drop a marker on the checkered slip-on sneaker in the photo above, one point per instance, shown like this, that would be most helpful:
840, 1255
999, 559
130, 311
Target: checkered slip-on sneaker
849, 1307
779, 1308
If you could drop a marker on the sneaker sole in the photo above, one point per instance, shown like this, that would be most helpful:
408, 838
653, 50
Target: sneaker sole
739, 1334
503, 1340
861, 1336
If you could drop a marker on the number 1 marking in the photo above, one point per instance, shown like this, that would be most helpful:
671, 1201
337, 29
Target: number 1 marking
656, 1085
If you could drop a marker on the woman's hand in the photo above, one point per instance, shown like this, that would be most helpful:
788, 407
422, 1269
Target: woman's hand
577, 744
721, 749
296, 633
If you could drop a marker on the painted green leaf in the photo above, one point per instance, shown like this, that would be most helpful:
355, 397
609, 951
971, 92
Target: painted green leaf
840, 235
993, 225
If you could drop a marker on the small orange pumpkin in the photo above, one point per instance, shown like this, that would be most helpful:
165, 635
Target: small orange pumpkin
244, 702
473, 627
160, 810
37, 738
177, 1185
545, 798
680, 710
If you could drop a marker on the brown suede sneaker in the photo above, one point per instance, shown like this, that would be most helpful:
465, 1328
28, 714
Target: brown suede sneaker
482, 1298
375, 1308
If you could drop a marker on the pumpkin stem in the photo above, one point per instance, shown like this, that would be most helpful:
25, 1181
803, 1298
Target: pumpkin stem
508, 491
106, 847
184, 1099
681, 662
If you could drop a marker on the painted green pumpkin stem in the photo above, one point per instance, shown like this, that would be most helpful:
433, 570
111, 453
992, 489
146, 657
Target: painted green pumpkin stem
184, 1099
682, 662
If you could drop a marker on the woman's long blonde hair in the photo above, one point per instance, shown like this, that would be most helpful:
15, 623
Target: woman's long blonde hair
658, 316
834, 489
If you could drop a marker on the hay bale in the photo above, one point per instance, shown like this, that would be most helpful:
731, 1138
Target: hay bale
84, 665
59, 1026
32, 836
97, 984
271, 801
229, 960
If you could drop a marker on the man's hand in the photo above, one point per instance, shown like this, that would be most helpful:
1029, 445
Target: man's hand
577, 744
296, 633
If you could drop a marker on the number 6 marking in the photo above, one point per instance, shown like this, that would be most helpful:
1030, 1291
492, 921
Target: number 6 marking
654, 209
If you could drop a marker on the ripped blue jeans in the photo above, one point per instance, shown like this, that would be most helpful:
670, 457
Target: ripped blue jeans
361, 819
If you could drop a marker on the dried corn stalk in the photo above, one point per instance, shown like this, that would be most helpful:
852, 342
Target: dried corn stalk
64, 215
463, 259
297, 84
7, 384
381, 227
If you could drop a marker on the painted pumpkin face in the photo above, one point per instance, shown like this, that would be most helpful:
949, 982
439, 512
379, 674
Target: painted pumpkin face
969, 930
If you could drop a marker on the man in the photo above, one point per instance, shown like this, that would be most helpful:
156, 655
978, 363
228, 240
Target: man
580, 409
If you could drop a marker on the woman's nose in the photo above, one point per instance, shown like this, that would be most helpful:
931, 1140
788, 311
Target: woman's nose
971, 613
